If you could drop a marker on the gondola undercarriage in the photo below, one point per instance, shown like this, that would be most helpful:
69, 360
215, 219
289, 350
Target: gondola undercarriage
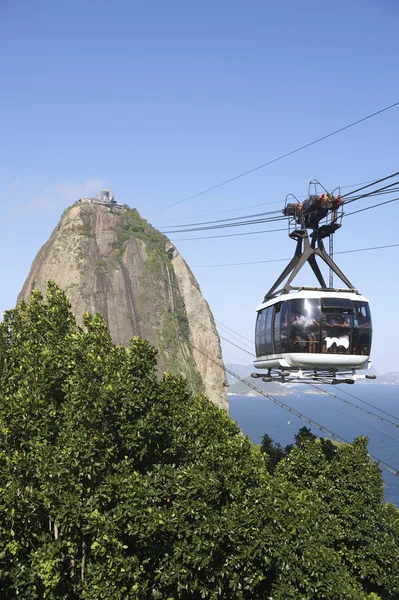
333, 377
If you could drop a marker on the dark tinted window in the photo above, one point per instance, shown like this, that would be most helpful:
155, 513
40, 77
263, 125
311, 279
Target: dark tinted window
336, 303
284, 327
303, 325
277, 331
269, 331
337, 331
362, 329
260, 340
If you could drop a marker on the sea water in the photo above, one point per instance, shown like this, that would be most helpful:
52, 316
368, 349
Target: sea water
257, 415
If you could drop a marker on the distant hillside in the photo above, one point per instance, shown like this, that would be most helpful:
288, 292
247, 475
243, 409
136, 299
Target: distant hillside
276, 389
391, 378
241, 389
242, 370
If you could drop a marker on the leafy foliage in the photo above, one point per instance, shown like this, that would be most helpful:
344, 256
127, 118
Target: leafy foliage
116, 485
130, 224
173, 326
274, 450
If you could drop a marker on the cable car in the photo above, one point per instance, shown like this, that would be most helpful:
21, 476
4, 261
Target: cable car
320, 334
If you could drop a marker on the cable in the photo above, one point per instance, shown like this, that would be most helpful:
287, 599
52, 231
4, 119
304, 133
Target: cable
228, 225
259, 262
274, 160
361, 421
355, 406
250, 347
371, 184
386, 189
370, 207
222, 212
249, 219
271, 212
225, 339
372, 405
267, 217
390, 188
212, 237
236, 332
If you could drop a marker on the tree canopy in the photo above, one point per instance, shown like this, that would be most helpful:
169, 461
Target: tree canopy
115, 484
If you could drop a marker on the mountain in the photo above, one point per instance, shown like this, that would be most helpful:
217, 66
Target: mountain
391, 378
241, 389
273, 388
111, 261
242, 370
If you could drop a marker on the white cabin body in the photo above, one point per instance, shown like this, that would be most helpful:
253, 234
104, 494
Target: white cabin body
314, 330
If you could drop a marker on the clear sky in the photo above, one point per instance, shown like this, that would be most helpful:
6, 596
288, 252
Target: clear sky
161, 100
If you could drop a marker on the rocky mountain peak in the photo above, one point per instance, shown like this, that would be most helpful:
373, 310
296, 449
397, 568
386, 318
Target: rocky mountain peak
111, 261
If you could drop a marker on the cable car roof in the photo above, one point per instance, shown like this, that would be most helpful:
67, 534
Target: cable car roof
315, 293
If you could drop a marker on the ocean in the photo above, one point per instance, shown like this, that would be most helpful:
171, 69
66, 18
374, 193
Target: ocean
257, 415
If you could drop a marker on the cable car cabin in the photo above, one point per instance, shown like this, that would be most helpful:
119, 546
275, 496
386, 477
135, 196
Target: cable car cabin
314, 330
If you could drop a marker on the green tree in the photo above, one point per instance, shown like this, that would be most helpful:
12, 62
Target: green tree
116, 485
304, 434
274, 451
351, 488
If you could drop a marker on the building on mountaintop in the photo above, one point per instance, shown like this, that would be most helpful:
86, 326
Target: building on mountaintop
104, 198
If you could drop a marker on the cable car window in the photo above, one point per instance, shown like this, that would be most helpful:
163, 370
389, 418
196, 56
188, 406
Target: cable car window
284, 327
277, 330
304, 325
269, 331
337, 331
260, 333
335, 303
362, 328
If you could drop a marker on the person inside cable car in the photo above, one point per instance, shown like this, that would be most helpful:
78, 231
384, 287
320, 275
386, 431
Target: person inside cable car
312, 337
336, 340
300, 337
361, 339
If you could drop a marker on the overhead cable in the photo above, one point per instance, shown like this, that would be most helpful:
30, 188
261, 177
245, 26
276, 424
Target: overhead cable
236, 332
267, 217
369, 404
368, 412
370, 207
244, 223
387, 189
264, 214
371, 184
222, 212
213, 237
274, 160
271, 260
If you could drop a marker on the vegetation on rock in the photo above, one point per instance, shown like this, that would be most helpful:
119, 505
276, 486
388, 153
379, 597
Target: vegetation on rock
174, 326
115, 485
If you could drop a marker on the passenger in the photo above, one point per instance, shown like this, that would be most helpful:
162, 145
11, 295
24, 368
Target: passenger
299, 323
362, 321
337, 340
299, 319
312, 337
363, 338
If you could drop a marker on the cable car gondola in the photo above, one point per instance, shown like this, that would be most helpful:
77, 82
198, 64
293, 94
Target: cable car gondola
320, 334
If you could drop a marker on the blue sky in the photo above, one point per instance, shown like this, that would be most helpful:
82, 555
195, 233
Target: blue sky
161, 100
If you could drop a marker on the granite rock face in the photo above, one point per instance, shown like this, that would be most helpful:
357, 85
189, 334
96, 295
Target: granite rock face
114, 263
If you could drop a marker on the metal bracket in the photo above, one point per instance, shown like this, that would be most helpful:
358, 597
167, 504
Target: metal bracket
306, 252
